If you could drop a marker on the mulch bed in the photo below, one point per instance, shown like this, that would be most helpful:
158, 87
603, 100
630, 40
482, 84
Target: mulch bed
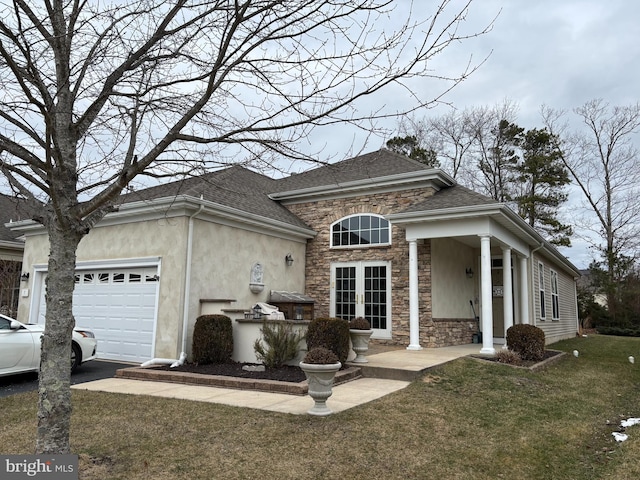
548, 354
282, 374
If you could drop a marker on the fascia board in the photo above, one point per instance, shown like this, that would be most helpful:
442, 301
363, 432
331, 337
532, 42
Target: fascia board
9, 245
431, 178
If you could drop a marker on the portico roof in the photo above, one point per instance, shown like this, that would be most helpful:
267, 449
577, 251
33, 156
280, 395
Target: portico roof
456, 205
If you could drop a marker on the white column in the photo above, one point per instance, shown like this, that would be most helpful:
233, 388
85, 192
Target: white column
486, 295
508, 290
414, 306
524, 290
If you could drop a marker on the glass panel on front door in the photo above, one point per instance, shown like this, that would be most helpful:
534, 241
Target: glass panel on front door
346, 292
363, 289
375, 296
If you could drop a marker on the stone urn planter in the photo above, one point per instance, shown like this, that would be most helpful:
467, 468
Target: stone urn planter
360, 333
320, 366
360, 344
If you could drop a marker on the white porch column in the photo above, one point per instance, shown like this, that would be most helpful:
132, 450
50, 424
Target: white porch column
524, 290
486, 295
508, 290
414, 306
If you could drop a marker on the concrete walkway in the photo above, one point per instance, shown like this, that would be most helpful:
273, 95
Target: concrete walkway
345, 396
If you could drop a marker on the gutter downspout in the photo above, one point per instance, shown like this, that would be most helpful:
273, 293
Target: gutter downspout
185, 312
187, 282
531, 292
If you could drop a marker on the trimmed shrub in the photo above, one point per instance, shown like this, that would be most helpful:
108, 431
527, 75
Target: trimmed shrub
359, 323
331, 333
281, 344
320, 356
527, 341
212, 339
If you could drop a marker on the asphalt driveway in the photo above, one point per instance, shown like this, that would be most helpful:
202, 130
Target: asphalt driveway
87, 372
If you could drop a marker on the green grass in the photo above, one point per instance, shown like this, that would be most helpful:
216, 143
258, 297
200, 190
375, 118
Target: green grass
465, 420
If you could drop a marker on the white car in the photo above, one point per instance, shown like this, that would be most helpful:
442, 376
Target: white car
20, 346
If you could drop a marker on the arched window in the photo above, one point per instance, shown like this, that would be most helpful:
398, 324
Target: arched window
360, 230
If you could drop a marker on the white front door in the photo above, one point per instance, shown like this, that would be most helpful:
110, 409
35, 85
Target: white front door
363, 289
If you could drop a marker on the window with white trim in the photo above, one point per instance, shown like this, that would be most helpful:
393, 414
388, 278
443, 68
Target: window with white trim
360, 231
543, 309
555, 297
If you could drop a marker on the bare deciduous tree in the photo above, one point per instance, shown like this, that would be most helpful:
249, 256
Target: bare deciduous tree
604, 163
95, 94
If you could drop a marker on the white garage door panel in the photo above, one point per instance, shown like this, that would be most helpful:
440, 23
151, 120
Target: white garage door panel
119, 305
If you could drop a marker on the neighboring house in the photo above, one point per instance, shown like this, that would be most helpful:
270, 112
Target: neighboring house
585, 282
378, 235
11, 251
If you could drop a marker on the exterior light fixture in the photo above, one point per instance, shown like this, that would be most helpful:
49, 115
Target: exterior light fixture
469, 273
24, 277
288, 260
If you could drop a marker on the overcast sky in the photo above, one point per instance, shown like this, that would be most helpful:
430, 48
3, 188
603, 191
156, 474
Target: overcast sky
560, 53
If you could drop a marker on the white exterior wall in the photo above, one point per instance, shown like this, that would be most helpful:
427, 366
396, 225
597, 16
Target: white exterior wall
451, 288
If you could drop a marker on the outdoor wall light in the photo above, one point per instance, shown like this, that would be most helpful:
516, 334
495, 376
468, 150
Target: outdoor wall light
469, 273
24, 277
288, 260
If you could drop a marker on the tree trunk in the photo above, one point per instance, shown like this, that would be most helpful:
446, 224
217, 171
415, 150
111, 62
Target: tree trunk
54, 382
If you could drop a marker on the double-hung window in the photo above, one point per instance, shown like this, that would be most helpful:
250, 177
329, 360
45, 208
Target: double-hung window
555, 297
543, 308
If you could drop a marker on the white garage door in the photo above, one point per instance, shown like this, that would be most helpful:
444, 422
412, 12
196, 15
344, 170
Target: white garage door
119, 305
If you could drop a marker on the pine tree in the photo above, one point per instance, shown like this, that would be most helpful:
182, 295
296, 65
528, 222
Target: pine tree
410, 147
542, 177
498, 161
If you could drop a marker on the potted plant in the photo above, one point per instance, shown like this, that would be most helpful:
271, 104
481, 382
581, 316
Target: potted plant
320, 366
360, 333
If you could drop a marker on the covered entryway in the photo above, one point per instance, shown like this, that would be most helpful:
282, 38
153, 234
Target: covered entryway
119, 305
490, 230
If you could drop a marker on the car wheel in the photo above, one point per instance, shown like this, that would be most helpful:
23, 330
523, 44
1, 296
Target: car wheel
76, 356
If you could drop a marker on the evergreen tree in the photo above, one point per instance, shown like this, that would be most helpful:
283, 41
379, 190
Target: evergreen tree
410, 147
497, 161
541, 177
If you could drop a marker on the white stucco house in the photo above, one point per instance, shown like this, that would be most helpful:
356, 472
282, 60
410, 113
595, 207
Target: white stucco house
378, 235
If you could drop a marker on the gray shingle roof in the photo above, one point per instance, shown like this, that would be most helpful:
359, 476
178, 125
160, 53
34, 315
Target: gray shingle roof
455, 196
248, 191
380, 163
234, 187
11, 209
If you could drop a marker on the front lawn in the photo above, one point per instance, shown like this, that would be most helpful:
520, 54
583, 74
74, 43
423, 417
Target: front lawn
464, 420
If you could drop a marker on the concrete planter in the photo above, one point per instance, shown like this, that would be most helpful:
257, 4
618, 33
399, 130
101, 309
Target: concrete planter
360, 344
320, 378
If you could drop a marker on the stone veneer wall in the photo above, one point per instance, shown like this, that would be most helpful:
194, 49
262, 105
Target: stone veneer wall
444, 332
320, 215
